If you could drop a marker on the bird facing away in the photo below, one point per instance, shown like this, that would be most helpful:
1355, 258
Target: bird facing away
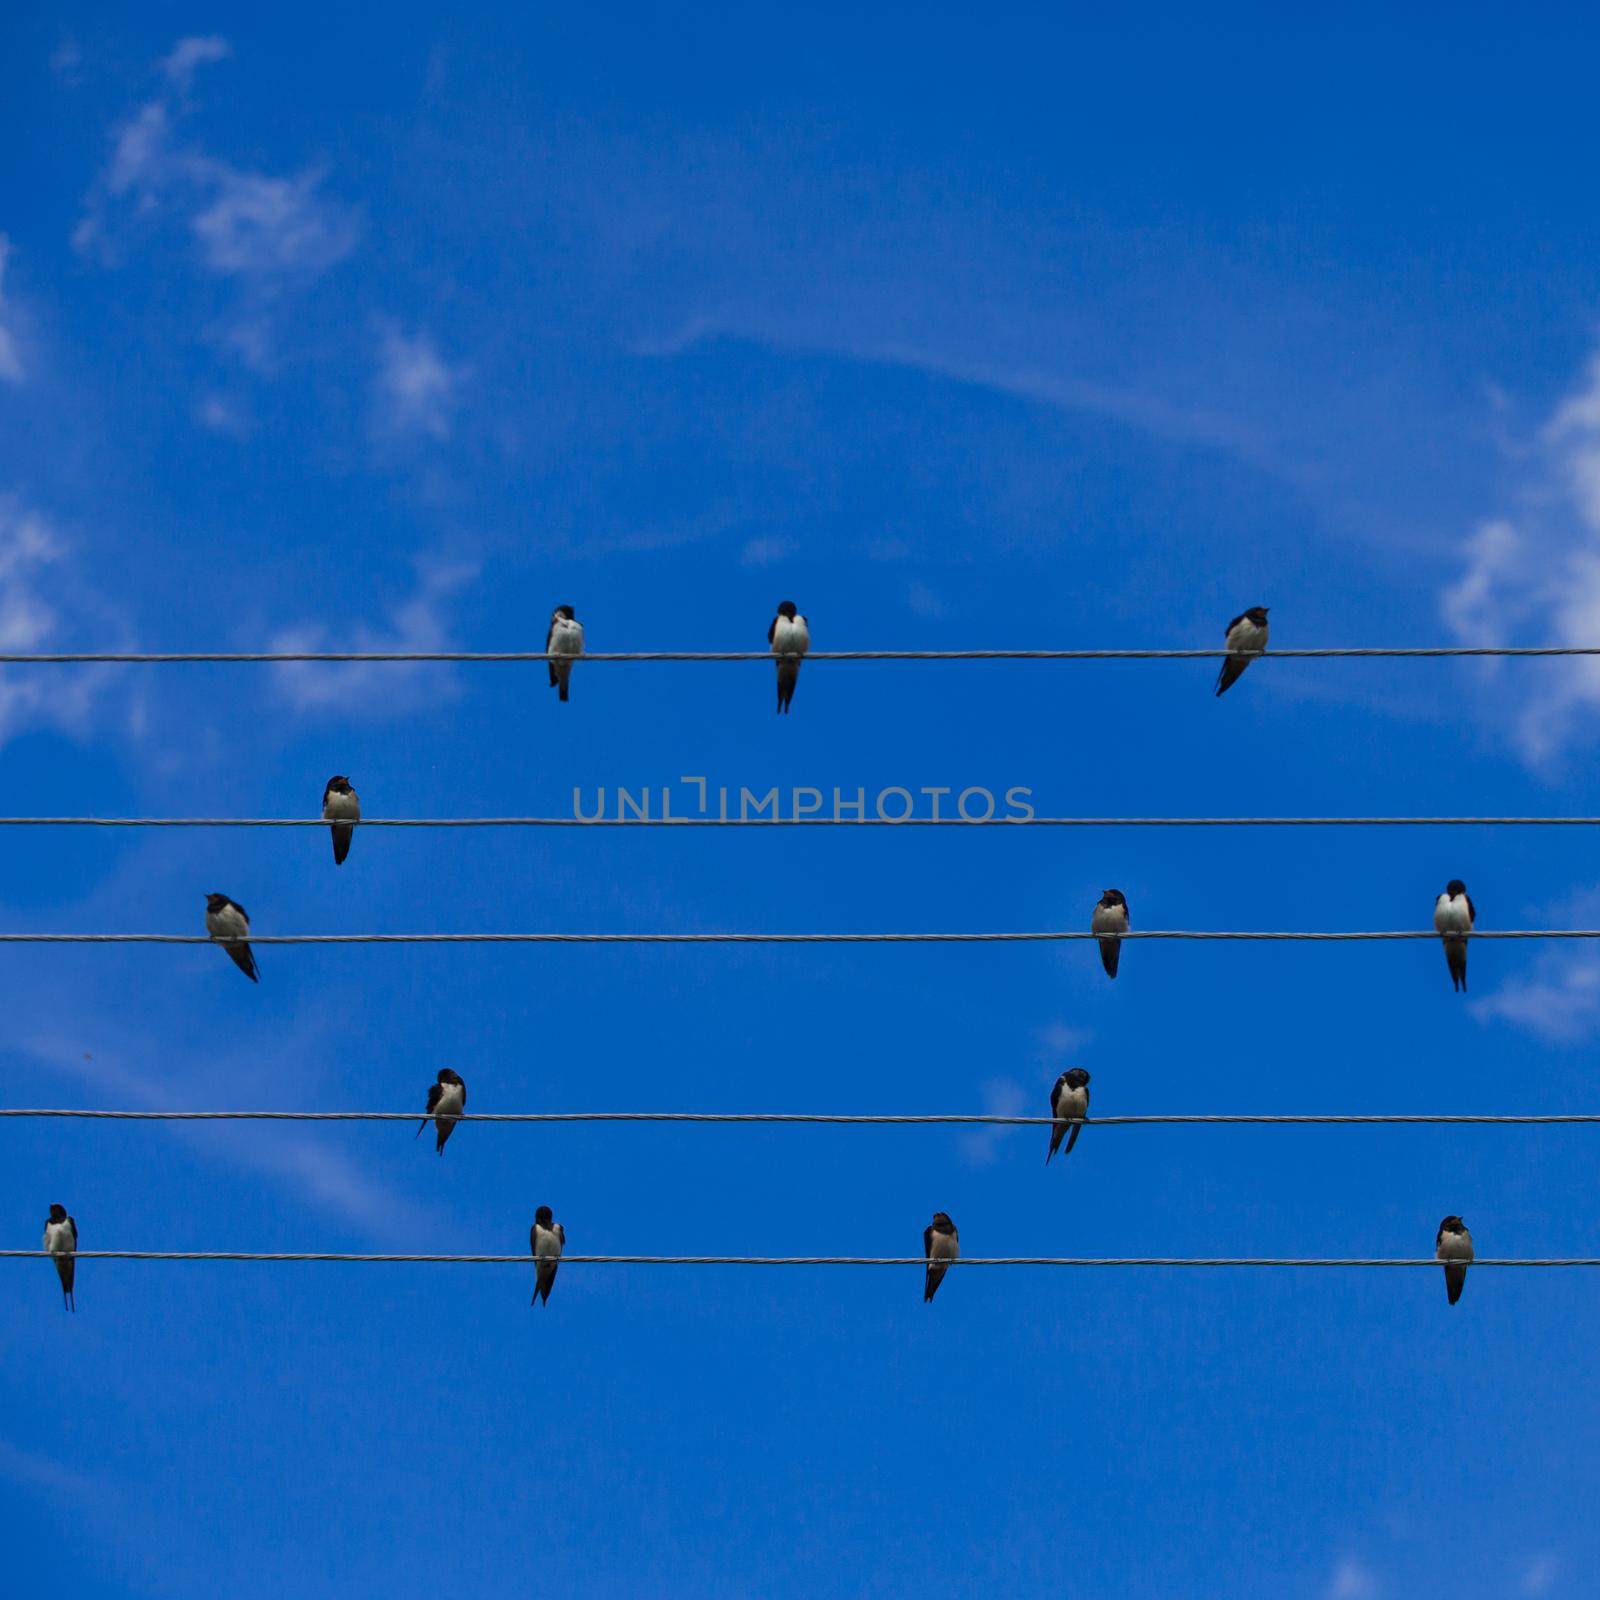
1453, 917
790, 638
1453, 1246
1069, 1101
447, 1099
341, 807
1110, 919
941, 1246
229, 923
1246, 637
546, 1240
565, 640
61, 1240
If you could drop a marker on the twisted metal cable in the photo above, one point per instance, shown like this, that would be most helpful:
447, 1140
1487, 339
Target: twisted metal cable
802, 822
1050, 937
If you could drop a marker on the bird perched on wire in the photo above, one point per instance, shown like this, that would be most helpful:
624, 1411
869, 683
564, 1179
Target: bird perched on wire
790, 638
1246, 637
61, 1240
563, 641
229, 924
546, 1240
1069, 1104
341, 806
1453, 1246
1453, 917
447, 1099
1109, 920
941, 1245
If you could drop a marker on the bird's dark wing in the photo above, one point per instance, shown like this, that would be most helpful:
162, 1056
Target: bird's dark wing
772, 628
1235, 623
240, 909
1472, 910
327, 790
927, 1240
561, 1234
463, 1097
1438, 1239
550, 634
434, 1092
72, 1222
533, 1240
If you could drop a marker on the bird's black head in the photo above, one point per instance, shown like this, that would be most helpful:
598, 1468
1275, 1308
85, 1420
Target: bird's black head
339, 784
544, 1216
449, 1075
1452, 1225
1075, 1078
942, 1222
1455, 887
567, 612
786, 608
1258, 615
58, 1213
1112, 897
215, 901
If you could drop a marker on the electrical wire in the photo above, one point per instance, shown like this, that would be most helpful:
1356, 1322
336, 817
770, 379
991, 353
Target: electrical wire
1050, 937
803, 822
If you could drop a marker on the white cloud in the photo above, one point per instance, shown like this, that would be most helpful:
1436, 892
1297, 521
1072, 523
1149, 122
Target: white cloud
1558, 996
272, 234
421, 621
763, 551
1002, 1097
1540, 1575
10, 360
1536, 579
416, 387
924, 601
189, 55
1351, 1580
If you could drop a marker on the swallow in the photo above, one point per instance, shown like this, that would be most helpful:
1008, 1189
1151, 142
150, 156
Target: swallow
564, 640
546, 1240
1069, 1104
1246, 637
229, 924
1453, 917
447, 1099
1110, 918
1453, 1246
790, 638
342, 807
61, 1240
941, 1246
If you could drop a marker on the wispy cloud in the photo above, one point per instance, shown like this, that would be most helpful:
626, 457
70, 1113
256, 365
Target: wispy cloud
416, 389
1002, 1097
1540, 1575
1535, 578
271, 234
34, 1471
10, 357
1558, 996
420, 621
1351, 1580
764, 550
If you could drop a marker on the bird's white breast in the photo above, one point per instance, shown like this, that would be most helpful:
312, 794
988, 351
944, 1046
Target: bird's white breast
1246, 636
1455, 1247
58, 1239
789, 638
1451, 916
945, 1247
346, 807
1073, 1102
226, 923
452, 1096
567, 640
1109, 919
546, 1242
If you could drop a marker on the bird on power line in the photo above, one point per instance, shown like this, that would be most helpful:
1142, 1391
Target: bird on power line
1069, 1104
61, 1240
229, 924
789, 635
565, 639
1453, 917
1246, 637
447, 1099
940, 1245
1453, 1246
1110, 919
546, 1240
342, 807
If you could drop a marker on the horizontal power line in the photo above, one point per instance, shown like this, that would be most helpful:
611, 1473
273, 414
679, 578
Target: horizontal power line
1049, 937
812, 1261
803, 822
846, 1119
163, 658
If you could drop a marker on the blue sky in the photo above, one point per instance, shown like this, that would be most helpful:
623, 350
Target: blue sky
963, 329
